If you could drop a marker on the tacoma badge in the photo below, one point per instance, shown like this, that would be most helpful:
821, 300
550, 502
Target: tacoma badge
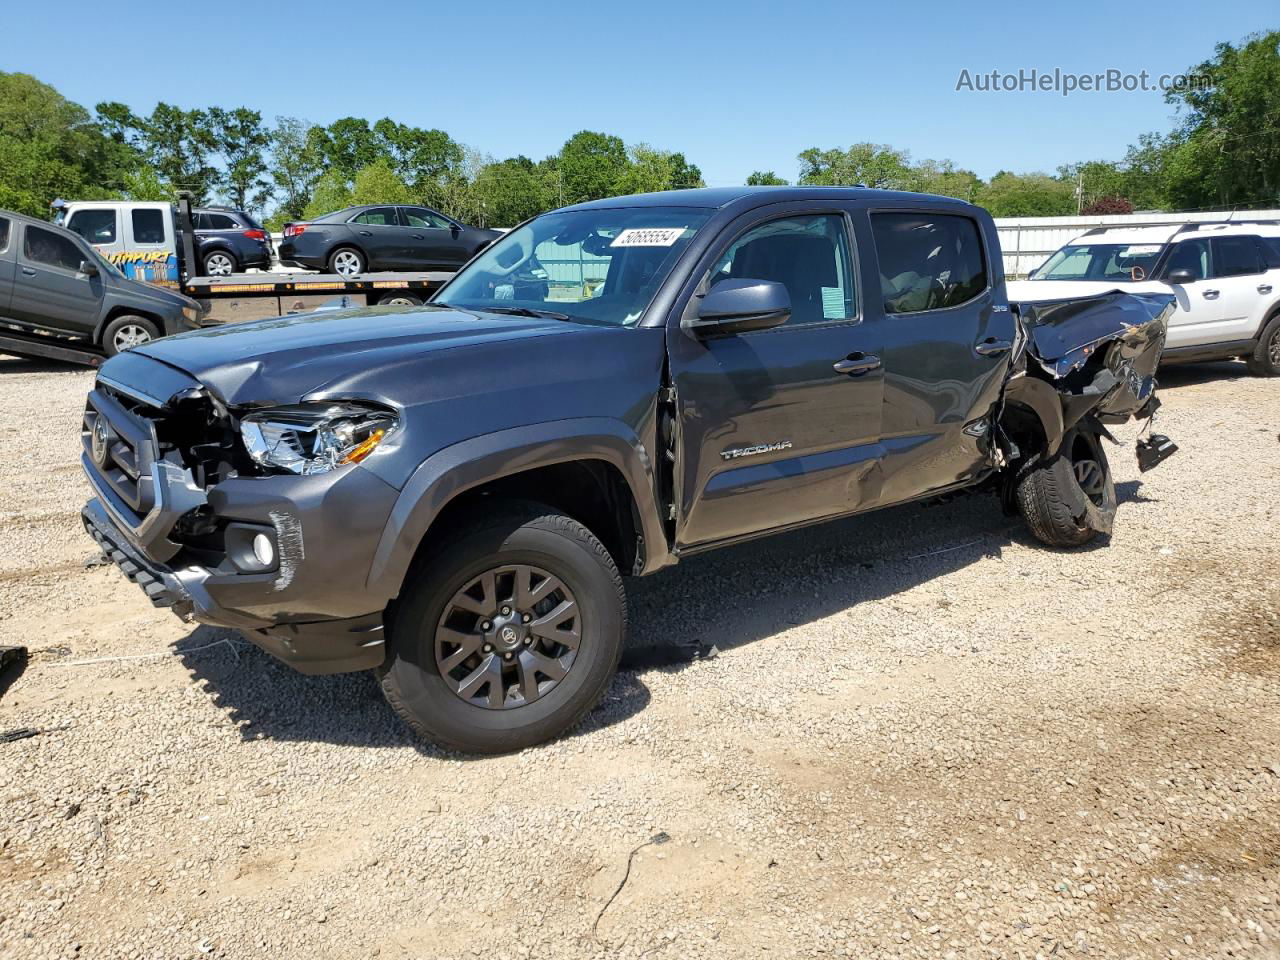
737, 452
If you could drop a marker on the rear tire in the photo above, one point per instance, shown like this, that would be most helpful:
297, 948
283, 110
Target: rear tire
128, 331
478, 680
1265, 359
400, 300
1069, 498
220, 263
347, 261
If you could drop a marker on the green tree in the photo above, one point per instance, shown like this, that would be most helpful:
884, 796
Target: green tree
143, 183
243, 142
652, 171
943, 178
51, 147
332, 192
869, 164
510, 191
177, 143
1027, 195
348, 145
765, 178
1226, 149
421, 158
378, 183
589, 166
296, 165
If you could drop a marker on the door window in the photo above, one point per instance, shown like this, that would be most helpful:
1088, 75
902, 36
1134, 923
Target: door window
1270, 247
219, 221
4, 234
1235, 257
96, 226
148, 226
51, 249
807, 255
928, 261
378, 217
422, 217
1190, 255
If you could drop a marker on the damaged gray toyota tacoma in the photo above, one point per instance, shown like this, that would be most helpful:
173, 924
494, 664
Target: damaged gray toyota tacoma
449, 494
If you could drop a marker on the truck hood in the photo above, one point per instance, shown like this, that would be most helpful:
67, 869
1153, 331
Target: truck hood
282, 359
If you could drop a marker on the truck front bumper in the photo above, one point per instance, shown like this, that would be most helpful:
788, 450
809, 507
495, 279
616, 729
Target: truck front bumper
313, 647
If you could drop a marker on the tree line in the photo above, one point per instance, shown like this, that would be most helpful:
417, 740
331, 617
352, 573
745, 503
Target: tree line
1223, 151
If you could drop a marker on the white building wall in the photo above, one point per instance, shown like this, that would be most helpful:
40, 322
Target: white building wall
1027, 241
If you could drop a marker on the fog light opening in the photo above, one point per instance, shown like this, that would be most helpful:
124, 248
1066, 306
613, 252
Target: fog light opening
264, 550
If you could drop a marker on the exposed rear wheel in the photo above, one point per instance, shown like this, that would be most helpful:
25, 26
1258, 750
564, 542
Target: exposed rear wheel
346, 261
1265, 359
128, 331
507, 634
1068, 499
400, 300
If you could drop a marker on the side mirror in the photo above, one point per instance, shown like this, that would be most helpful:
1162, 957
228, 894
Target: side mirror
1032, 274
740, 306
88, 268
455, 230
1181, 275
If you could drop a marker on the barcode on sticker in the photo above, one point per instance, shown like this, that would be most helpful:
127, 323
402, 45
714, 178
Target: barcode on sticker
648, 237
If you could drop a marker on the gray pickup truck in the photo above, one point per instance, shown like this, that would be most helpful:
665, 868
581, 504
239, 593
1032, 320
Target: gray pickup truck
448, 494
54, 284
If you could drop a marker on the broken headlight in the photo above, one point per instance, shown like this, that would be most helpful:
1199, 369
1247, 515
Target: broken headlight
310, 438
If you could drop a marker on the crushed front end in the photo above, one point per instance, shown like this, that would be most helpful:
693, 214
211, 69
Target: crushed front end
184, 512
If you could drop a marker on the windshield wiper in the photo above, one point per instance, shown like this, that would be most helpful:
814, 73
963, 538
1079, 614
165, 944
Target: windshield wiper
528, 312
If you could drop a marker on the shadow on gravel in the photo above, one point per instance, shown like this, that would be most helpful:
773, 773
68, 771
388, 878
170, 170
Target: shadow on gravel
729, 598
267, 700
9, 364
1192, 374
1127, 492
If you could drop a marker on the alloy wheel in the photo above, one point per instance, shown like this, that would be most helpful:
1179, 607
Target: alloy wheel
346, 262
1092, 479
1273, 349
131, 335
508, 636
218, 265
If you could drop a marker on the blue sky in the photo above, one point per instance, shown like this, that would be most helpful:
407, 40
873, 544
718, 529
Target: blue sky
737, 86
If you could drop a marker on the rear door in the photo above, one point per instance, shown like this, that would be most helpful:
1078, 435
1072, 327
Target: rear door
947, 336
1243, 290
385, 241
778, 426
433, 239
7, 265
49, 290
150, 253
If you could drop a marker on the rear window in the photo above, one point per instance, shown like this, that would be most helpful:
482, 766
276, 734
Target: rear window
1270, 252
928, 261
51, 249
379, 217
217, 221
1235, 257
148, 226
96, 226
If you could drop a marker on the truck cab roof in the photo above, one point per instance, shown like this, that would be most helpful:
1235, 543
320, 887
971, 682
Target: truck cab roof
718, 197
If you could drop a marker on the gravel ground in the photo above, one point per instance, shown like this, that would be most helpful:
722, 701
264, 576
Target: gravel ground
925, 736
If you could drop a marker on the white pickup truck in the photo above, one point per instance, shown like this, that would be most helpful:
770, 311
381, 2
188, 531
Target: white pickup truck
1225, 276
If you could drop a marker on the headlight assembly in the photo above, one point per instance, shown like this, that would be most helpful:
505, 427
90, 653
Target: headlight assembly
192, 314
312, 438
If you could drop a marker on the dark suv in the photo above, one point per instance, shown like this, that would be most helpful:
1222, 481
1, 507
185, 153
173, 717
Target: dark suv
228, 241
450, 494
358, 239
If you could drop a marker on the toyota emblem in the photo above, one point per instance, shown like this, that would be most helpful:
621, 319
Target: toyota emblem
508, 634
98, 447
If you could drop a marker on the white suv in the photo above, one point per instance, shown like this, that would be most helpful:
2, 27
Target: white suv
1226, 277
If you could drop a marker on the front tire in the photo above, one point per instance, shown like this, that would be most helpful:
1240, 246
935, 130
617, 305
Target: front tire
1069, 498
1265, 359
507, 634
126, 332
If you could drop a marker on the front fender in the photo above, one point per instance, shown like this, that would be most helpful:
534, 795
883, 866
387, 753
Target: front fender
470, 463
1044, 401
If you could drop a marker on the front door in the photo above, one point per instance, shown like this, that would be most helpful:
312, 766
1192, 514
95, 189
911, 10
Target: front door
948, 340
433, 240
779, 426
49, 291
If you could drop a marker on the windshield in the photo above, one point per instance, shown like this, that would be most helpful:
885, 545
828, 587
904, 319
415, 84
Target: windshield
1102, 261
594, 266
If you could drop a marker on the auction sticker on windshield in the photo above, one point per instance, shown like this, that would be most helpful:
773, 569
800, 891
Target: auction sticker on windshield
1140, 250
648, 237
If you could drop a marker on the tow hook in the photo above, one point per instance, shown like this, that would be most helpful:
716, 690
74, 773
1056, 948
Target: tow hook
1154, 450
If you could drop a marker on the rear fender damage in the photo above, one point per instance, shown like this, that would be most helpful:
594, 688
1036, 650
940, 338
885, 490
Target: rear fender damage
1079, 364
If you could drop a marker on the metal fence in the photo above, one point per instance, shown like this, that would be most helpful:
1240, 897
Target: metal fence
1027, 241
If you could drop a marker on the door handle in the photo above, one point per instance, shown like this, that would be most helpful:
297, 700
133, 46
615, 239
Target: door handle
27, 271
365, 233
855, 364
417, 236
991, 347
1264, 288
1211, 294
